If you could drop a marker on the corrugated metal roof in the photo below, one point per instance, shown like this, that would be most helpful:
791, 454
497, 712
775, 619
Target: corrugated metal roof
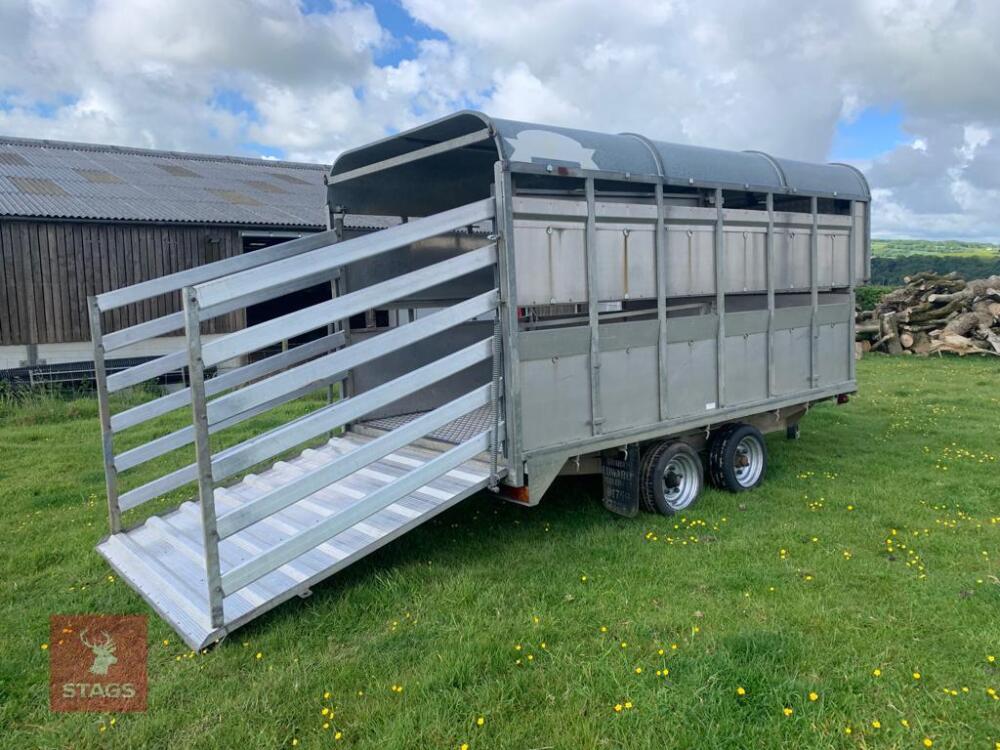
56, 179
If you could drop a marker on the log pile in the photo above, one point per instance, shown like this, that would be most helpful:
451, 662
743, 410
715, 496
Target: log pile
932, 314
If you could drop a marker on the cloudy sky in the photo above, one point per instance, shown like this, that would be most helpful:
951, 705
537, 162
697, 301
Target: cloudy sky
907, 90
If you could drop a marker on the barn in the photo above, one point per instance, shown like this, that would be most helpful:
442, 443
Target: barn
79, 219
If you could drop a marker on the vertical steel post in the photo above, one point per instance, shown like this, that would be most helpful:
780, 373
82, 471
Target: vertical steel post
342, 287
504, 188
203, 450
495, 393
814, 294
590, 252
769, 273
720, 300
852, 254
104, 412
660, 248
336, 223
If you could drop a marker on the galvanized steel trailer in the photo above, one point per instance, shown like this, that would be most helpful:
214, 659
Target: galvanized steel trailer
549, 300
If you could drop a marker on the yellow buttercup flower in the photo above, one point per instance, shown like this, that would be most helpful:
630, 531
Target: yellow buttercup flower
741, 691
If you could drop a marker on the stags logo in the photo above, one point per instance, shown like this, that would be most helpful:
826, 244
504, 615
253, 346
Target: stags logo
104, 652
98, 663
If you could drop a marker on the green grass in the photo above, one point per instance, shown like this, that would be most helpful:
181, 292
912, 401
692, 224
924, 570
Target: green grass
458, 611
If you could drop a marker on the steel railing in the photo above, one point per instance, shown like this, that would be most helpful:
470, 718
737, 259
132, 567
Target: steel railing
120, 378
289, 375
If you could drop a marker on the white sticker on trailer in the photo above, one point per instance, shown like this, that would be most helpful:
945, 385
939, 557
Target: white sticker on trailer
710, 405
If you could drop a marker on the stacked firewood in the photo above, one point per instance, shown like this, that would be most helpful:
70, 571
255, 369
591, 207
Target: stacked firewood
933, 314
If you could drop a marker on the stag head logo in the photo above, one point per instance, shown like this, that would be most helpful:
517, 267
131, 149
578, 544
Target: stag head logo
104, 652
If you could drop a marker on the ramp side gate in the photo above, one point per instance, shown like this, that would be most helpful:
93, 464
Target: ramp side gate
211, 565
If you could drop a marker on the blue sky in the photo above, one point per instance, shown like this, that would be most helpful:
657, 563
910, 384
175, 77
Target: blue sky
874, 131
406, 31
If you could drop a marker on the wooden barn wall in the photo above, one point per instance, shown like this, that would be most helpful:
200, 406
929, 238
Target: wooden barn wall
49, 269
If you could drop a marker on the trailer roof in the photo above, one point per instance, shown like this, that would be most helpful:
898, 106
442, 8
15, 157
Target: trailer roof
676, 164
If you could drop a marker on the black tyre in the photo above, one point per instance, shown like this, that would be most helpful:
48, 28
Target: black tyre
670, 478
737, 458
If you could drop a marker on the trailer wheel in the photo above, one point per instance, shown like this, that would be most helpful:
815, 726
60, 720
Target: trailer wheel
670, 478
737, 458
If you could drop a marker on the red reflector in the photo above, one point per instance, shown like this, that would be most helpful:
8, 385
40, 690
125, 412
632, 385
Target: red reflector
517, 494
520, 312
843, 398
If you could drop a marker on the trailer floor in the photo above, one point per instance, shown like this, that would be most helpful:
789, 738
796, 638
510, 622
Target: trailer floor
458, 431
163, 559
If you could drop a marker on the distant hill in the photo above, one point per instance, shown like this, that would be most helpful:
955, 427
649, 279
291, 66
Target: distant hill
894, 259
896, 248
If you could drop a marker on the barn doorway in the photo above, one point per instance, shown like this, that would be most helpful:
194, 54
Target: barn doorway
273, 308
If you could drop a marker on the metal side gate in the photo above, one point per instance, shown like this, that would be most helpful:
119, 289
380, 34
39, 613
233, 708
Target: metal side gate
253, 540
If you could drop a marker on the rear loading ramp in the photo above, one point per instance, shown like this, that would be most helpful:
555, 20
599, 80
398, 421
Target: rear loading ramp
163, 559
250, 541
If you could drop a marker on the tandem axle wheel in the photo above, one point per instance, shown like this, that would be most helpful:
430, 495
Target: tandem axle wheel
737, 457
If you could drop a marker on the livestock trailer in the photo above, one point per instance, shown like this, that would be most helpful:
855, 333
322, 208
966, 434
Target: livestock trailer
544, 300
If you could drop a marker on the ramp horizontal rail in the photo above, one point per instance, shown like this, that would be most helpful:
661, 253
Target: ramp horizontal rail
248, 572
310, 318
200, 274
241, 405
175, 321
346, 359
224, 381
271, 443
159, 486
306, 485
147, 370
142, 331
240, 285
185, 436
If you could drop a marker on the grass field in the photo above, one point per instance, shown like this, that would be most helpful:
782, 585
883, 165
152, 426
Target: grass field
796, 616
898, 248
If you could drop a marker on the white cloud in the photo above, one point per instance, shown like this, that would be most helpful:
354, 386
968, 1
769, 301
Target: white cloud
766, 74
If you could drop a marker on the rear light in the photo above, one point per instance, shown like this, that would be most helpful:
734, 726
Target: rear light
517, 494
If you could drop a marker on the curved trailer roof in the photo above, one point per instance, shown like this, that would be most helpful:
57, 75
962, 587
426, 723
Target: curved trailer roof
626, 153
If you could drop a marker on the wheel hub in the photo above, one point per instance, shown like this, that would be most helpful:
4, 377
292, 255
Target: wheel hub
748, 461
680, 482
